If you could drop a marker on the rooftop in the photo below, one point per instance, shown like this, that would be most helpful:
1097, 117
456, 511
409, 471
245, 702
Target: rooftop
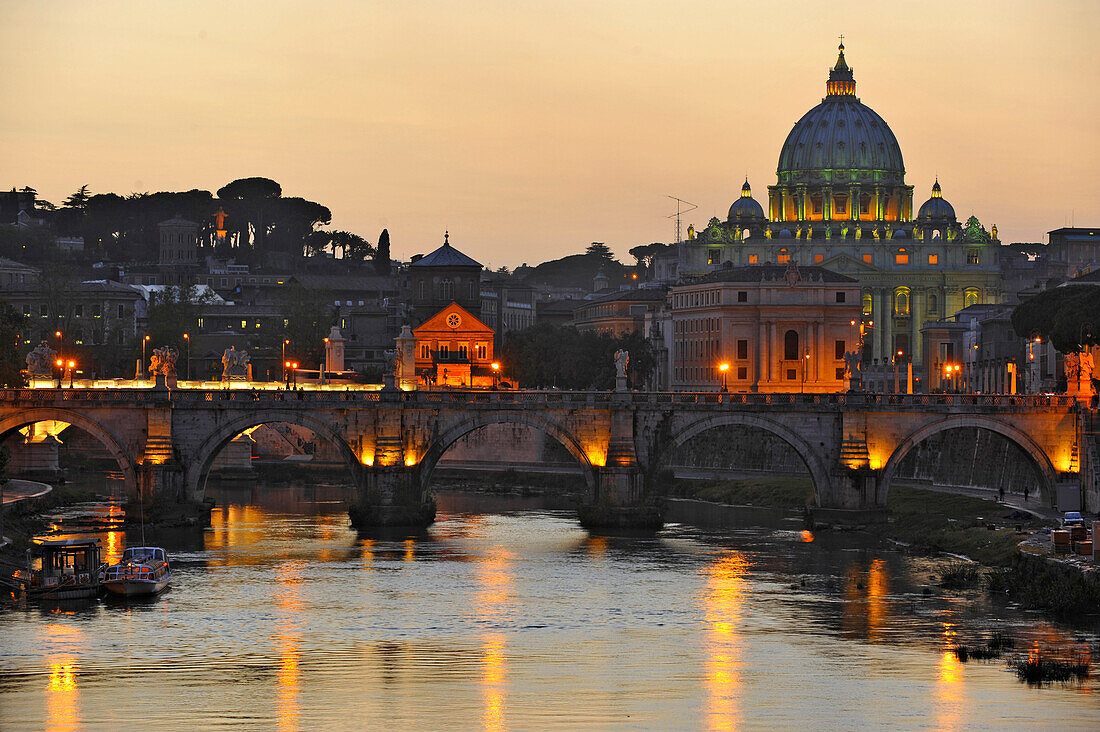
773, 272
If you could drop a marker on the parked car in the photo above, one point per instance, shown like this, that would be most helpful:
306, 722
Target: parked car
1073, 518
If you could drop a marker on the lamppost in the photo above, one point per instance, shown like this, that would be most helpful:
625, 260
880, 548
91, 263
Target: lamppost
286, 342
324, 362
724, 368
496, 374
60, 358
187, 339
72, 366
896, 377
143, 342
805, 364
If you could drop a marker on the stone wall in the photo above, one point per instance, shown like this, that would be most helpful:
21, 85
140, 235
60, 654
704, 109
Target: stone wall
508, 443
969, 456
737, 448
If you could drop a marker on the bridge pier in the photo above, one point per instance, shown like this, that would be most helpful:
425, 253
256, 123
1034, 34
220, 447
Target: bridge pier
391, 496
856, 496
620, 501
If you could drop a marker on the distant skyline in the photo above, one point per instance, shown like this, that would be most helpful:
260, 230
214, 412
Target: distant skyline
530, 130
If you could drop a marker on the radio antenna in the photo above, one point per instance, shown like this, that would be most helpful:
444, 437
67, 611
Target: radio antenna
680, 203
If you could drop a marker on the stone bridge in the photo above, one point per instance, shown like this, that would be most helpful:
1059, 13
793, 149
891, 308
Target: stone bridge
165, 441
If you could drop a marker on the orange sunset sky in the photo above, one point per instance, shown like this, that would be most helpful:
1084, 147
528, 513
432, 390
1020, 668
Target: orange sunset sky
529, 129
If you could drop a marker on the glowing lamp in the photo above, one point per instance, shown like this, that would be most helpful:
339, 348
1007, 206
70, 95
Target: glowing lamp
72, 363
496, 366
57, 334
58, 362
726, 366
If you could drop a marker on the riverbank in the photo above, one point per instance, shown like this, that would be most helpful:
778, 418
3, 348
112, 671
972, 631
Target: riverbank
27, 518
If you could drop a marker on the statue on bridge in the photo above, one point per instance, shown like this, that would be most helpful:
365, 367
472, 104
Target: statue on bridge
235, 364
163, 361
40, 361
852, 369
622, 360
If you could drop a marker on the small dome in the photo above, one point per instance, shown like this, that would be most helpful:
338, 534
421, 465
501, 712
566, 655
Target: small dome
936, 207
900, 234
785, 234
746, 207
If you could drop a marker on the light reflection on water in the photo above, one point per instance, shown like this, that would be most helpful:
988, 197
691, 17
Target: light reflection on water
280, 617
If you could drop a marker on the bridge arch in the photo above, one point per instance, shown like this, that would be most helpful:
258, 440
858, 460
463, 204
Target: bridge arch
109, 440
202, 461
453, 434
1020, 438
815, 464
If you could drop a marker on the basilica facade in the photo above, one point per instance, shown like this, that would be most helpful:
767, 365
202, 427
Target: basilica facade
841, 202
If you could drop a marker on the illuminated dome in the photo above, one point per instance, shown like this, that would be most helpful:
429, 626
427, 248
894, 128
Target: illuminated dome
841, 139
936, 207
745, 209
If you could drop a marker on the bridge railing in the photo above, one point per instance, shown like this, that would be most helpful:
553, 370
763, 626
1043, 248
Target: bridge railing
548, 398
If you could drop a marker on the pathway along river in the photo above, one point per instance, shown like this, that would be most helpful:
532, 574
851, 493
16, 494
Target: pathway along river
507, 615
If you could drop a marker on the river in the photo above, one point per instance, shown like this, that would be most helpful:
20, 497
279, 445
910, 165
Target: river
505, 614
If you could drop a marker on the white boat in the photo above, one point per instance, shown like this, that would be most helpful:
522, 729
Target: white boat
143, 570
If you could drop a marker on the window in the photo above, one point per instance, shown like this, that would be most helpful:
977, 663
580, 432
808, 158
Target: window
840, 373
933, 259
244, 324
970, 297
343, 324
841, 296
714, 256
901, 302
838, 350
840, 205
816, 204
444, 350
463, 352
446, 290
868, 303
792, 374
97, 310
865, 204
482, 351
224, 281
78, 311
783, 259
742, 372
754, 259
425, 350
122, 311
421, 289
286, 323
742, 349
972, 257
44, 310
947, 351
819, 258
867, 258
27, 310
742, 296
933, 303
790, 346
201, 323
901, 258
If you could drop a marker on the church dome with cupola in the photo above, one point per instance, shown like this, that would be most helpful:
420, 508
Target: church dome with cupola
936, 208
745, 209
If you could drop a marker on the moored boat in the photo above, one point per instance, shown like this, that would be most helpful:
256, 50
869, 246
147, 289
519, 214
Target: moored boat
70, 570
143, 570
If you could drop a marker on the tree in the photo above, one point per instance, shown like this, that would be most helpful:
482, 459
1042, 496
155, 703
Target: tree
12, 324
1067, 316
293, 221
547, 355
382, 253
172, 312
79, 200
351, 246
600, 249
248, 203
309, 317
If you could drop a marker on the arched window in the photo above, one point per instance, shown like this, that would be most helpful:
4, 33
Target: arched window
446, 290
790, 346
901, 302
868, 303
970, 297
933, 303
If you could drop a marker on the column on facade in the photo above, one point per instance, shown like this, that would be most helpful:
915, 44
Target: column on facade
916, 302
801, 201
821, 352
887, 330
879, 208
827, 204
774, 353
762, 355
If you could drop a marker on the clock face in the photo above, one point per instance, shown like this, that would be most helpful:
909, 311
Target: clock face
454, 320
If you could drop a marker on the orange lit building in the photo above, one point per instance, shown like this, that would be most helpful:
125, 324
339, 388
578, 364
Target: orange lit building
453, 348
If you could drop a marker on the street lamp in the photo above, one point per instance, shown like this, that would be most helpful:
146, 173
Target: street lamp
60, 355
143, 342
60, 372
897, 359
805, 364
72, 365
496, 374
724, 367
187, 338
286, 341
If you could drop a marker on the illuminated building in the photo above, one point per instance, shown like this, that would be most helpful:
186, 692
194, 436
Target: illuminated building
440, 278
780, 329
841, 202
453, 348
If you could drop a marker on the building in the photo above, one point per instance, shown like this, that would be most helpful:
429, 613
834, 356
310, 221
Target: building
440, 278
778, 329
454, 348
841, 202
1072, 252
619, 313
14, 275
507, 305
